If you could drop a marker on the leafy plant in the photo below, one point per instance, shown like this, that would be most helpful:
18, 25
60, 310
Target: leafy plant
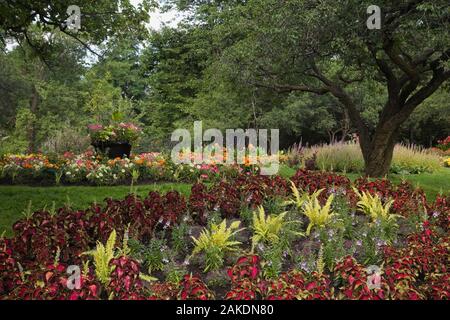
216, 242
179, 233
267, 228
154, 255
299, 199
102, 255
272, 257
319, 216
373, 206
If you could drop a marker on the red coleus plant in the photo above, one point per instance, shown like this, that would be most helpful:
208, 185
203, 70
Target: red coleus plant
248, 285
201, 202
245, 289
254, 189
163, 291
407, 200
311, 181
244, 276
246, 267
419, 270
125, 283
353, 281
166, 209
38, 238
227, 199
52, 284
10, 276
296, 285
192, 288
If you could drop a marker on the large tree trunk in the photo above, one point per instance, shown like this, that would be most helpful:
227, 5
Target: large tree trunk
379, 150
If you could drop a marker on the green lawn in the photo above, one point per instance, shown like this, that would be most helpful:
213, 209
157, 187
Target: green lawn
15, 199
431, 183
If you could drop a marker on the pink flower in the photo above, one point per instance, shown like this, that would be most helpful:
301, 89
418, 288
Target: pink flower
95, 127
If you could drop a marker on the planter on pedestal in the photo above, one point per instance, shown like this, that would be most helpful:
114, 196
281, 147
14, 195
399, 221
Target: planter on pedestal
114, 149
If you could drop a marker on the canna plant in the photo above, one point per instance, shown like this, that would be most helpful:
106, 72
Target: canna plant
319, 216
216, 242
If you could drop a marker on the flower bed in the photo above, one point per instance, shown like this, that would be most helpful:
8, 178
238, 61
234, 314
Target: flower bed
246, 237
444, 144
90, 168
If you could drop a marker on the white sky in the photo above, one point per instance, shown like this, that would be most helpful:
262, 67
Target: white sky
158, 19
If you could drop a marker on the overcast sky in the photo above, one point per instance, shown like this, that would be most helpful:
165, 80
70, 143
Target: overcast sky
157, 19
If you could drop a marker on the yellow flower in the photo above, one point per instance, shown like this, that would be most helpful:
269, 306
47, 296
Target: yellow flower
447, 162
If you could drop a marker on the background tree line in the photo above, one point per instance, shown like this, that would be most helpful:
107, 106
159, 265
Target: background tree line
232, 64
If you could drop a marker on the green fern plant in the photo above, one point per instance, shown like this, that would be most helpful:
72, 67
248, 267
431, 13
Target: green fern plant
102, 255
299, 198
267, 228
372, 206
216, 242
319, 216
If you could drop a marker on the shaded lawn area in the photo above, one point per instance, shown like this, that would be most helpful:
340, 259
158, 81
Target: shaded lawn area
15, 199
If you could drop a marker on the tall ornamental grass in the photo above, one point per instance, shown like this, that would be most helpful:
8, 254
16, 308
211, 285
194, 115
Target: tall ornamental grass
347, 157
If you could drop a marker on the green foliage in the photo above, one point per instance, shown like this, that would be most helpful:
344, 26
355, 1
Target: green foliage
319, 216
155, 255
373, 206
299, 198
273, 257
268, 228
216, 242
179, 233
102, 255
